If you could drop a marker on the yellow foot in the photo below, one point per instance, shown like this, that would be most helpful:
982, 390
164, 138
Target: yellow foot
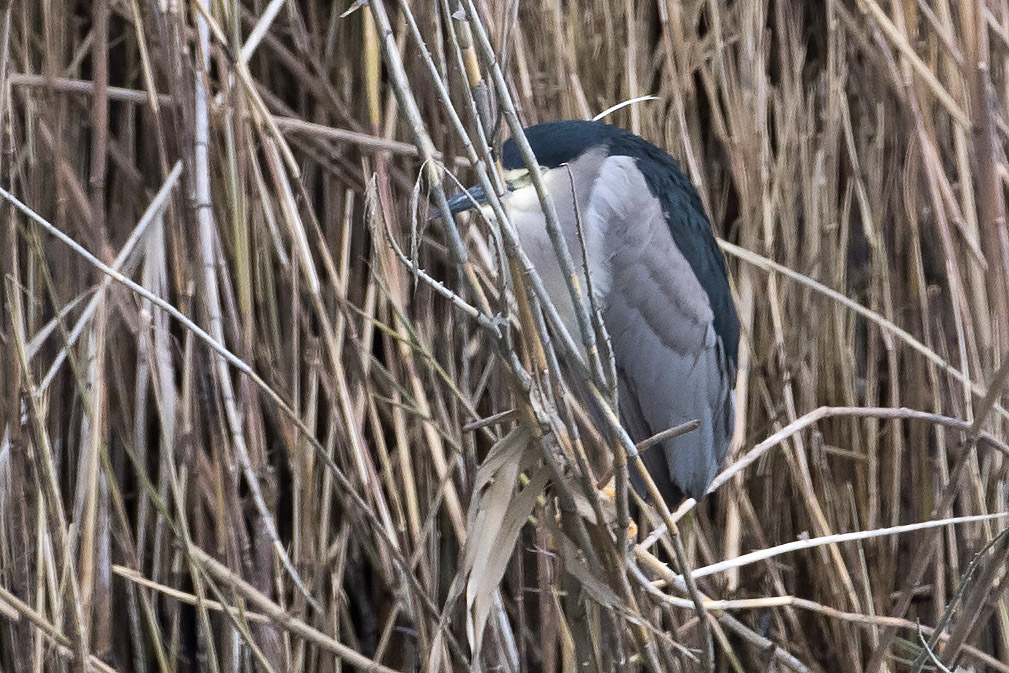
609, 492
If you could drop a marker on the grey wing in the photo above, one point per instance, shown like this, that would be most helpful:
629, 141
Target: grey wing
671, 365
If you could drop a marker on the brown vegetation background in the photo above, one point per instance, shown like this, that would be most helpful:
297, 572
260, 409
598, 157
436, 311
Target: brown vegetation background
243, 435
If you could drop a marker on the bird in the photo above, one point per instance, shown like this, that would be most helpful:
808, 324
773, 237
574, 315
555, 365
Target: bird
657, 276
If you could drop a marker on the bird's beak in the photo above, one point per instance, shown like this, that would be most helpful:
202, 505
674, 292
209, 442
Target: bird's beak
474, 197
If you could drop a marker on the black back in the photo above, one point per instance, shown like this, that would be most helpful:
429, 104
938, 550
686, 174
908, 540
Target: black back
556, 143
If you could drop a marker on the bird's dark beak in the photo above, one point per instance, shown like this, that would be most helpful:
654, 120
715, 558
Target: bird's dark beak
474, 197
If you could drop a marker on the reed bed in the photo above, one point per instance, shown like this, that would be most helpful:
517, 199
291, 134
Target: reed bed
262, 411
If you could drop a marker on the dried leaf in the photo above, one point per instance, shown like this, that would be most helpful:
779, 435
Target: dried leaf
498, 547
574, 564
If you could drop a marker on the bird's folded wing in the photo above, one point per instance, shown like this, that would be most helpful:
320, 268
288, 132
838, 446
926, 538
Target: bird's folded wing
671, 364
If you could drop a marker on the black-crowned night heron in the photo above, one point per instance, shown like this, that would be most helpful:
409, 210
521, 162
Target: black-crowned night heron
657, 276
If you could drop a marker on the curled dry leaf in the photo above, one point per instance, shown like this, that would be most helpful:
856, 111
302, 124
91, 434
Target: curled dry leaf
495, 519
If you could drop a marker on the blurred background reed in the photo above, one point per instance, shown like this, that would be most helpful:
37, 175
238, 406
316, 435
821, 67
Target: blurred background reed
297, 478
